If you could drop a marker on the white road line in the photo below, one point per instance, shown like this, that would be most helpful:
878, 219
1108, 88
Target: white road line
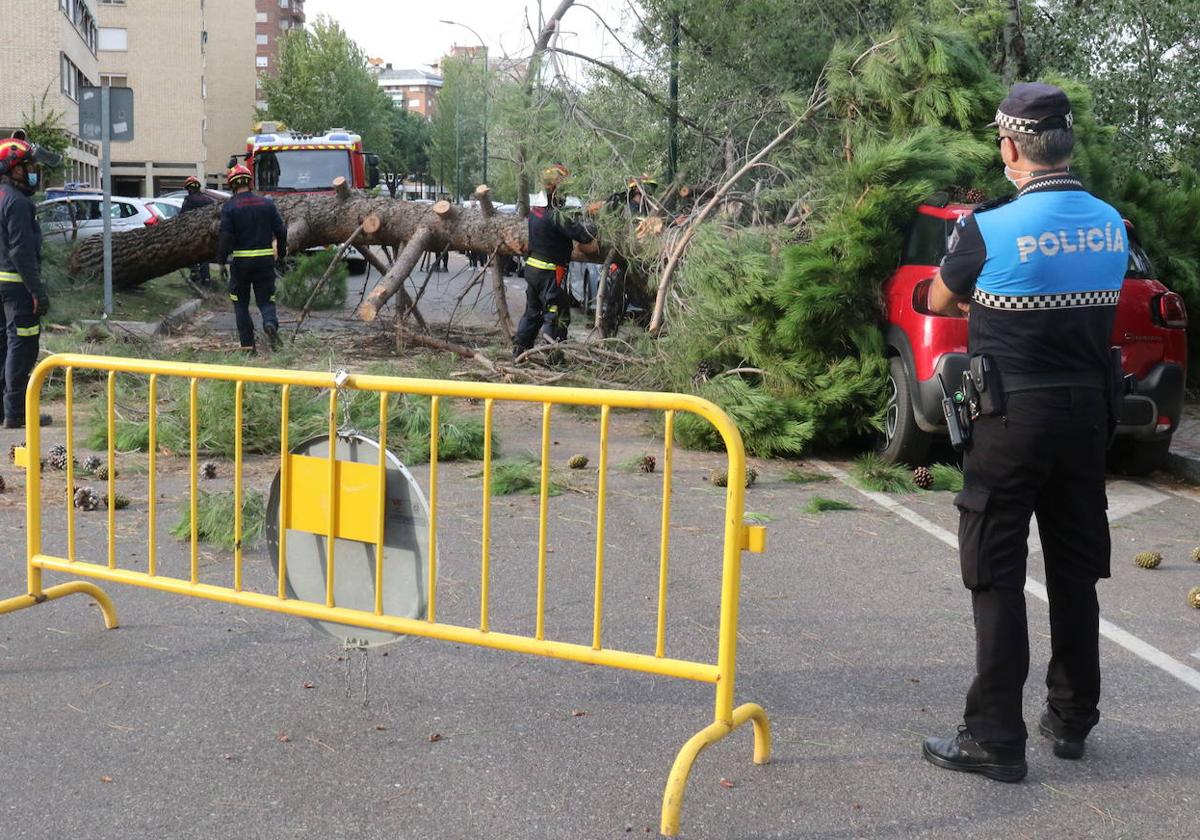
1164, 661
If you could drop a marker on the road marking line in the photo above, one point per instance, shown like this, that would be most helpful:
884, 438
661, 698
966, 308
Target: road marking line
1143, 649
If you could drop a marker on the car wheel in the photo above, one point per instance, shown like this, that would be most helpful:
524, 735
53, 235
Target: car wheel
902, 440
1138, 457
357, 266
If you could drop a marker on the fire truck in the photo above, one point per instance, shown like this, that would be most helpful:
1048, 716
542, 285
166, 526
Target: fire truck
285, 162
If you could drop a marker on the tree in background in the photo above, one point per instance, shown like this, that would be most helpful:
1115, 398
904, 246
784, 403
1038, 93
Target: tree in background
411, 135
322, 81
456, 143
44, 126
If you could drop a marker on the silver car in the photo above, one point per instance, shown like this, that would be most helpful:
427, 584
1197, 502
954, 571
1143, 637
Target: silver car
74, 217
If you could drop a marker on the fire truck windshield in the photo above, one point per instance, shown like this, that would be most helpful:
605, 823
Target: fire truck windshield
301, 170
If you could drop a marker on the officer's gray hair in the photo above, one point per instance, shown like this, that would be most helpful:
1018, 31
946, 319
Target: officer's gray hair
1048, 148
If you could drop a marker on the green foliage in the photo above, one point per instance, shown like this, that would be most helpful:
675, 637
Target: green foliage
455, 147
214, 519
798, 476
411, 136
321, 81
308, 269
872, 473
947, 478
46, 126
521, 476
820, 504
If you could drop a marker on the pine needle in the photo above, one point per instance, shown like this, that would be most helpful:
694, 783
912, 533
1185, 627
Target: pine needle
946, 477
214, 519
798, 476
872, 473
820, 504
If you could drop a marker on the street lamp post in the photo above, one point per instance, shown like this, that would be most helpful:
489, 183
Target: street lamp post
482, 46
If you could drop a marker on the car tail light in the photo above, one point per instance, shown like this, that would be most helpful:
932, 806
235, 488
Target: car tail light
1163, 425
153, 220
1168, 310
920, 300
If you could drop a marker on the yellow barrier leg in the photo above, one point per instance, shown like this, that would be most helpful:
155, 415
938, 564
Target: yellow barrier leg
682, 768
61, 590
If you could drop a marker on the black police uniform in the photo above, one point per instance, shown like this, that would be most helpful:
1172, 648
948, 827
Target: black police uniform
195, 201
552, 237
1043, 273
249, 223
20, 284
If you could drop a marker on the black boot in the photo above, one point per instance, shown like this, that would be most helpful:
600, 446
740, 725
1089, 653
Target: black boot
1068, 747
965, 754
272, 331
19, 422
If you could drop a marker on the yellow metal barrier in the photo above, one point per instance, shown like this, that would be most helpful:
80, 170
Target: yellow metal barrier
363, 520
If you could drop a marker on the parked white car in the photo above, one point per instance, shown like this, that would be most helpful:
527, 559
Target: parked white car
78, 216
166, 207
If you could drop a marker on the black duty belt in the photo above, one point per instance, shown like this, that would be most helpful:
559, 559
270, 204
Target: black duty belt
1014, 382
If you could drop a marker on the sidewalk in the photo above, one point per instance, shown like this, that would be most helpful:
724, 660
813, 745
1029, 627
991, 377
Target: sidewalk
1183, 461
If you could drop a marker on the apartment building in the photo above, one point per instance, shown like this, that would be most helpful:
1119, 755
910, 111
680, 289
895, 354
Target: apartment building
273, 19
48, 50
188, 62
412, 90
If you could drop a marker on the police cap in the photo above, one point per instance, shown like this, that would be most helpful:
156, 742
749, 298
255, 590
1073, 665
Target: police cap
1033, 107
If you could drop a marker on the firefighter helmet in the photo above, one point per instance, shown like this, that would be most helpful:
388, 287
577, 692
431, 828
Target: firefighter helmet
645, 182
192, 184
14, 152
555, 174
238, 174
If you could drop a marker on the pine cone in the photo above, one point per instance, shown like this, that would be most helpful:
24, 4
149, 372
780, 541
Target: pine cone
719, 478
101, 472
1148, 559
87, 498
3, 487
975, 196
705, 371
578, 462
646, 465
751, 476
58, 457
12, 453
1194, 597
1196, 554
923, 478
120, 502
208, 469
90, 464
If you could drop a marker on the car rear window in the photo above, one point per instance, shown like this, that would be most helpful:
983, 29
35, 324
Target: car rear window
926, 243
1140, 267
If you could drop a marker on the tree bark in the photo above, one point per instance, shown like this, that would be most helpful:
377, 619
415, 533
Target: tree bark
395, 276
501, 296
313, 220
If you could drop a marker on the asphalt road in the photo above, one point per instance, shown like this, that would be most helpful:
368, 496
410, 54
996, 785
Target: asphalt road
193, 720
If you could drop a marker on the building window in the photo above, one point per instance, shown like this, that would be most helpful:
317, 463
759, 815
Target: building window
260, 17
68, 77
114, 39
414, 103
203, 88
261, 104
114, 80
260, 61
112, 2
283, 4
261, 40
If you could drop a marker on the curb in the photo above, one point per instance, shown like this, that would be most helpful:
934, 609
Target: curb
177, 315
1184, 467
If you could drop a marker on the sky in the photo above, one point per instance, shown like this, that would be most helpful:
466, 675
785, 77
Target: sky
407, 33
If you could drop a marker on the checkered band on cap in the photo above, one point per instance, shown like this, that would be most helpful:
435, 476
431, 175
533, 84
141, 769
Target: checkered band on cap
1063, 300
1021, 125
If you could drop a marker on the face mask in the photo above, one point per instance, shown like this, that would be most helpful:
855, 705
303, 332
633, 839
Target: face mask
31, 178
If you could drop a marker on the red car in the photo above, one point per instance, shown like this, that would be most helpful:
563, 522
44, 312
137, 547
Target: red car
1150, 329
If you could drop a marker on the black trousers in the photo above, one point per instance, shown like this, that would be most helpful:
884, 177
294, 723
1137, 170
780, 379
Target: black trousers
547, 307
1045, 458
257, 275
18, 347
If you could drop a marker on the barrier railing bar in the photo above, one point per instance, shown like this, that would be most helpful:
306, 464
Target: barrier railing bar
665, 538
70, 386
151, 480
284, 489
239, 391
332, 538
684, 669
112, 468
383, 430
602, 495
435, 425
485, 582
193, 429
543, 508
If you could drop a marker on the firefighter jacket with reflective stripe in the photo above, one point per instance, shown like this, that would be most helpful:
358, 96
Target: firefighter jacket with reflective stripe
248, 224
20, 240
552, 234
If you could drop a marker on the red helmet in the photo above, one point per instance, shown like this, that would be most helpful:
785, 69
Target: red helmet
192, 183
14, 151
238, 173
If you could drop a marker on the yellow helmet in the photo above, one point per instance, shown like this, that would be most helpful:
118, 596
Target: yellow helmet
554, 175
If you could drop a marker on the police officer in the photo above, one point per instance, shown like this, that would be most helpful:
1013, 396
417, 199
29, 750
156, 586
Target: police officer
552, 235
195, 199
249, 222
1040, 275
23, 297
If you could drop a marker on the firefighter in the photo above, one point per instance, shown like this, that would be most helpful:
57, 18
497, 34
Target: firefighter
249, 223
195, 199
23, 297
552, 234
